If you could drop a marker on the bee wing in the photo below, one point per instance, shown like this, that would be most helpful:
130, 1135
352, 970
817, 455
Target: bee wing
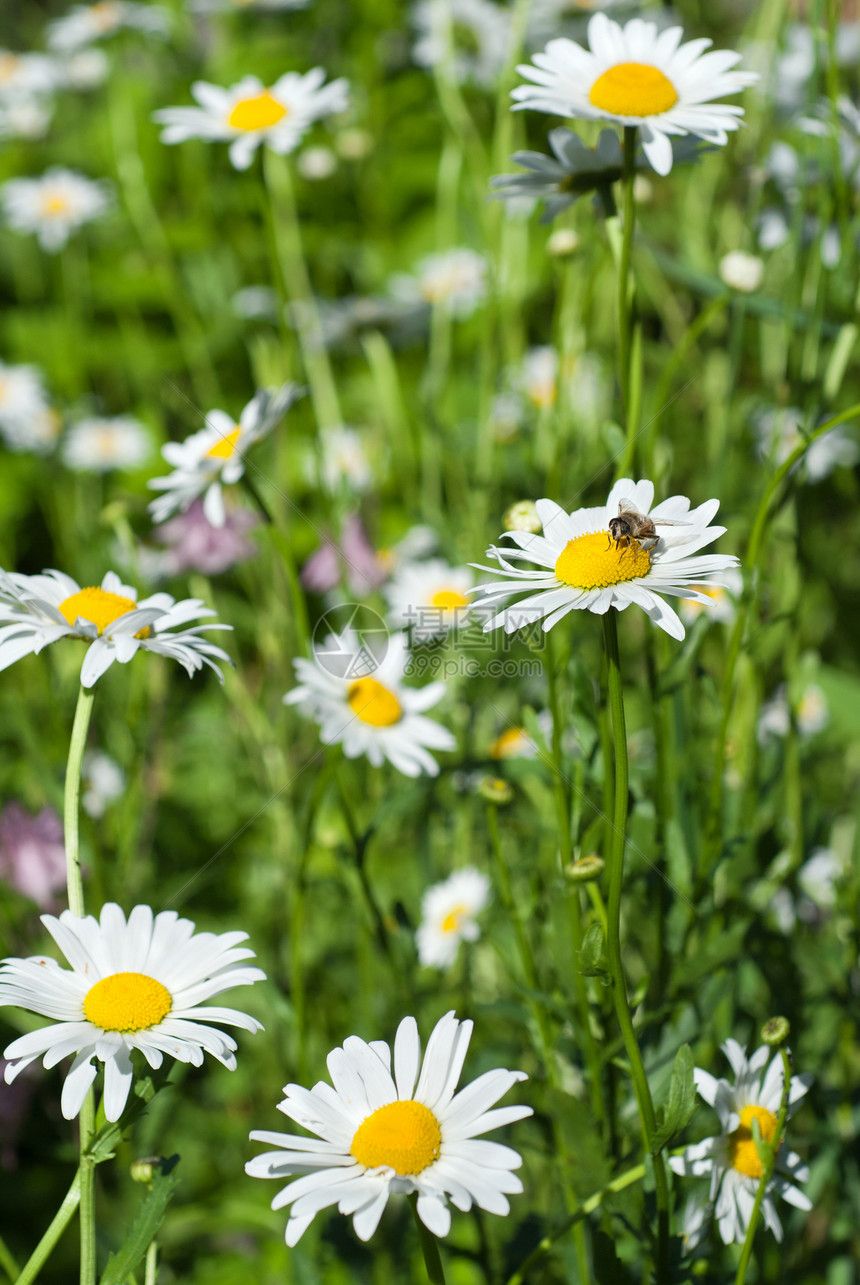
669, 522
624, 506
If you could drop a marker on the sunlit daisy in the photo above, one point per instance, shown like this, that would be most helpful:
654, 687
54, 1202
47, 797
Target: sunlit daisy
25, 117
781, 429
380, 1134
475, 33
811, 713
638, 75
448, 916
22, 395
137, 984
102, 782
585, 569
38, 432
722, 602
100, 445
249, 113
454, 280
731, 1159
516, 743
25, 75
84, 24
430, 596
37, 610
365, 707
343, 461
53, 206
538, 377
214, 457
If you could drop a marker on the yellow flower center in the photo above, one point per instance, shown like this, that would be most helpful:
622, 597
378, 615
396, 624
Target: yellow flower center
448, 599
403, 1135
373, 703
258, 112
452, 921
742, 1150
633, 89
54, 204
225, 446
594, 561
508, 743
99, 607
127, 1002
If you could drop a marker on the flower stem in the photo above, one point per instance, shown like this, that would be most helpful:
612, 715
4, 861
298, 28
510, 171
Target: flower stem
87, 1170
71, 797
59, 1223
7, 1261
625, 290
151, 1266
766, 1171
615, 865
429, 1245
285, 552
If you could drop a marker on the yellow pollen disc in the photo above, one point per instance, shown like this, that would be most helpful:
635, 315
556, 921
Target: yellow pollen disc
633, 89
56, 204
507, 743
127, 1002
448, 598
452, 921
742, 1151
258, 112
403, 1135
373, 703
225, 446
594, 561
99, 607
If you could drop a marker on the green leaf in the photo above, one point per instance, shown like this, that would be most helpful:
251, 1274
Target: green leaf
145, 1226
681, 1101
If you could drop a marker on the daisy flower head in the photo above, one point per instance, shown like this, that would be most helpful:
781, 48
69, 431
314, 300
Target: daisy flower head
364, 705
248, 113
731, 1159
430, 596
214, 457
85, 24
473, 33
583, 568
54, 206
37, 610
453, 280
138, 984
448, 916
381, 1134
516, 743
723, 600
24, 76
99, 445
22, 395
639, 76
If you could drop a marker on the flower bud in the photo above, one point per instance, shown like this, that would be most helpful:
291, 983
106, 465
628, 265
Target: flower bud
145, 1169
775, 1031
562, 243
522, 516
495, 790
585, 869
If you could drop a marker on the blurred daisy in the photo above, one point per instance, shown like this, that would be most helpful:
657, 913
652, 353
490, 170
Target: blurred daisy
316, 163
741, 272
86, 69
454, 280
255, 303
230, 6
26, 118
215, 456
363, 705
538, 376
731, 1159
516, 743
37, 610
53, 206
637, 75
584, 569
102, 780
22, 395
38, 433
811, 714
26, 75
84, 24
722, 600
343, 460
448, 916
380, 1135
248, 114
32, 853
140, 984
473, 33
431, 597
780, 430
101, 445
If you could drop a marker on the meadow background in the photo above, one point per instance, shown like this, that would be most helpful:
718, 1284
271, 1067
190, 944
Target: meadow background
230, 811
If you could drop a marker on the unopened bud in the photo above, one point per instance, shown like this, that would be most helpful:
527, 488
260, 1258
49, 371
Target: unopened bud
775, 1031
495, 790
562, 243
585, 869
144, 1170
522, 516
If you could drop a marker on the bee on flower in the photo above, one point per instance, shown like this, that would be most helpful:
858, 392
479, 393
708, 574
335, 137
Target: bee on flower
54, 206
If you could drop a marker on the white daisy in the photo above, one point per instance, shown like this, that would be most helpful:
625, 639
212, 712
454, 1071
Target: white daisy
37, 610
538, 377
100, 445
228, 6
102, 781
140, 984
516, 743
53, 206
248, 114
86, 69
409, 1133
731, 1159
37, 433
448, 911
585, 569
84, 24
430, 596
477, 32
25, 118
811, 714
364, 706
215, 456
454, 280
22, 395
343, 460
780, 430
722, 603
26, 75
638, 75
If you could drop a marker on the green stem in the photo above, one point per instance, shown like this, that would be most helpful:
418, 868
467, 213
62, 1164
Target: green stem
7, 1262
60, 1222
87, 1172
615, 864
71, 796
151, 1266
625, 292
766, 1171
429, 1245
359, 843
288, 562
587, 1207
